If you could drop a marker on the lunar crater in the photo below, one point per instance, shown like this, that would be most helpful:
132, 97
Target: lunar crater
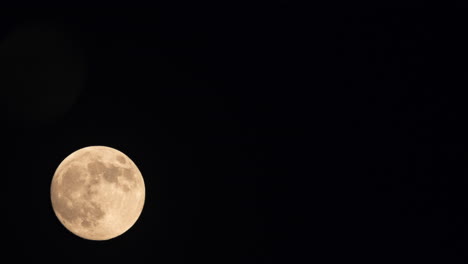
121, 159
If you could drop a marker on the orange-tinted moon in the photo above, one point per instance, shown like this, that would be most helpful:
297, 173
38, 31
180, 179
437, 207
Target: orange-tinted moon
97, 193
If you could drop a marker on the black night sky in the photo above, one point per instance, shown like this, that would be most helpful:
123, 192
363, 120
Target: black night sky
265, 134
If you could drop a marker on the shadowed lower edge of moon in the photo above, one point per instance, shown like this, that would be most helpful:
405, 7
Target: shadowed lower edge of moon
85, 216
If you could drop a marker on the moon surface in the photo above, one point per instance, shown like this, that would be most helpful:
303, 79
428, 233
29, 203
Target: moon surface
97, 193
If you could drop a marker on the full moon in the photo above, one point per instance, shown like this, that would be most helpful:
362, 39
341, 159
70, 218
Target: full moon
97, 193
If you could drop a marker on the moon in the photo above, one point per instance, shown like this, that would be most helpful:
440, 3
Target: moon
97, 193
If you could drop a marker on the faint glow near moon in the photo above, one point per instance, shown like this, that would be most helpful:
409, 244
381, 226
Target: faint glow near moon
43, 72
97, 193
